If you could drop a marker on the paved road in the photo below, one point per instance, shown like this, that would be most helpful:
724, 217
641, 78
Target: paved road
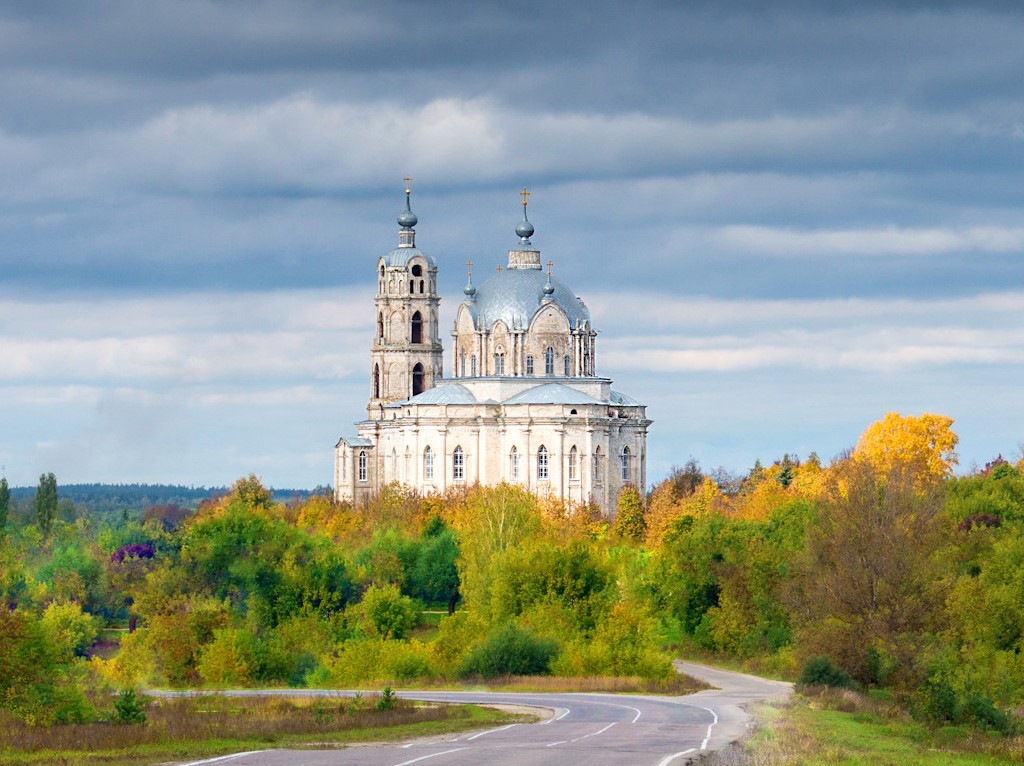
585, 729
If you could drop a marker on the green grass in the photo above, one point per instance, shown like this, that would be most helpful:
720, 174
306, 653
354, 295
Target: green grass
204, 727
848, 729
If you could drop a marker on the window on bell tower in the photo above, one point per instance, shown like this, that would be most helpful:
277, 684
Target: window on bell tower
416, 329
549, 361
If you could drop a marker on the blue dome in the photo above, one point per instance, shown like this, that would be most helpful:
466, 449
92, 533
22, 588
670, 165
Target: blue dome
401, 256
515, 295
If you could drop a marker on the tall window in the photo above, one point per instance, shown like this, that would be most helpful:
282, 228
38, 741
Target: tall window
428, 464
625, 463
573, 471
376, 381
596, 469
417, 379
529, 365
499, 364
549, 361
565, 366
416, 335
513, 460
380, 326
394, 464
458, 464
462, 364
472, 366
362, 465
542, 463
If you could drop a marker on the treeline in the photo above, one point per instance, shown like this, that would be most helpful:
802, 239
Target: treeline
118, 498
879, 569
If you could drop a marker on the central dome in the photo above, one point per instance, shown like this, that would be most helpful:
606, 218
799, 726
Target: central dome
513, 296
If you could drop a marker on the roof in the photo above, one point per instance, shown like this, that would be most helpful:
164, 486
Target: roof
444, 393
356, 441
551, 393
617, 398
515, 295
401, 256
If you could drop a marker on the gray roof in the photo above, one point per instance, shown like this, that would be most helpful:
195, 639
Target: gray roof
445, 393
551, 393
514, 295
356, 441
401, 256
617, 398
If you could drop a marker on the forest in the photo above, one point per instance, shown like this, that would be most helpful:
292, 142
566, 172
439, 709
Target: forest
881, 569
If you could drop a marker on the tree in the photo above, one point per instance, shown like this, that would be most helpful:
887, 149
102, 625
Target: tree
629, 516
5, 502
925, 443
46, 502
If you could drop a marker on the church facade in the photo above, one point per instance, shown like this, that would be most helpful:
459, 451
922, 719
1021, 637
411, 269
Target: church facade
523, 403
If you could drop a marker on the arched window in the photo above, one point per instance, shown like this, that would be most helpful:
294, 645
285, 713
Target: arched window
529, 364
382, 270
462, 364
408, 463
428, 464
411, 283
362, 465
472, 366
417, 270
458, 464
596, 469
394, 465
625, 463
513, 464
376, 381
421, 286
573, 470
499, 364
417, 379
416, 334
565, 366
549, 361
542, 463
380, 326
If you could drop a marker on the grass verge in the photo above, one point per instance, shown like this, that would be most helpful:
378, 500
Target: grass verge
848, 729
201, 727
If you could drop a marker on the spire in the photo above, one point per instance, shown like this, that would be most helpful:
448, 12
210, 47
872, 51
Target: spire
525, 228
407, 219
469, 289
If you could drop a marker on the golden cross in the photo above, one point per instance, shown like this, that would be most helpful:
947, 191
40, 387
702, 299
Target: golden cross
469, 266
524, 194
407, 179
499, 268
550, 264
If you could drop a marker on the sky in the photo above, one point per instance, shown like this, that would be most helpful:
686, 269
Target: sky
787, 218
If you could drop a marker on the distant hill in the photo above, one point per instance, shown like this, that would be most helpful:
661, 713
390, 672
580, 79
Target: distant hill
108, 498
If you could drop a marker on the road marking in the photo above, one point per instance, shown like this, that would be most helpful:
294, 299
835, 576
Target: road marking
432, 755
714, 721
669, 758
491, 731
594, 734
221, 758
559, 717
557, 743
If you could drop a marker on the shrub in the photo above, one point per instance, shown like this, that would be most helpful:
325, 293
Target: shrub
386, 613
128, 707
509, 650
819, 671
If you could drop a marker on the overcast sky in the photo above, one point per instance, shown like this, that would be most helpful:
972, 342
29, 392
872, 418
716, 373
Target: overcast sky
787, 218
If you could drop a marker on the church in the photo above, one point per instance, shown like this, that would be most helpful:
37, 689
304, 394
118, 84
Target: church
523, 403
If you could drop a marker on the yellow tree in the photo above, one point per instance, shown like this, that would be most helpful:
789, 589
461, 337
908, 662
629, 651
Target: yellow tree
925, 443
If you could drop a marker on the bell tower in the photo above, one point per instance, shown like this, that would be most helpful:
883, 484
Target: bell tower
405, 359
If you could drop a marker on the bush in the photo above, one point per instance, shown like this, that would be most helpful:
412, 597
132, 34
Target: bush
509, 650
128, 708
386, 613
819, 671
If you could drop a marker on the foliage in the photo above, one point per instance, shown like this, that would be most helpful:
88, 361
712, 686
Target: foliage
384, 612
46, 502
70, 629
129, 708
629, 516
924, 444
820, 671
5, 503
509, 650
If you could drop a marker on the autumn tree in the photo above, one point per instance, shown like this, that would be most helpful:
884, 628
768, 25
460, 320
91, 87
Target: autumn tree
925, 443
46, 502
629, 516
5, 503
869, 595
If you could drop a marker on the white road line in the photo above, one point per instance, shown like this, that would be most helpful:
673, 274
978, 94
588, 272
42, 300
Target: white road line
714, 720
553, 744
432, 755
669, 758
491, 731
221, 758
594, 734
559, 717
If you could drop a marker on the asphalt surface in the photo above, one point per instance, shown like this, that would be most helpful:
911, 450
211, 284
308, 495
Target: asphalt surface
582, 730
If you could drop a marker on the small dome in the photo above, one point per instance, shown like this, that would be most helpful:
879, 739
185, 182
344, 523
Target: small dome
524, 228
407, 219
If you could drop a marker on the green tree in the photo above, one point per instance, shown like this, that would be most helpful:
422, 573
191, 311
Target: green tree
629, 515
386, 613
5, 503
46, 502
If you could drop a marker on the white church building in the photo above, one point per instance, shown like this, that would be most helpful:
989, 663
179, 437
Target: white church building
523, 403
